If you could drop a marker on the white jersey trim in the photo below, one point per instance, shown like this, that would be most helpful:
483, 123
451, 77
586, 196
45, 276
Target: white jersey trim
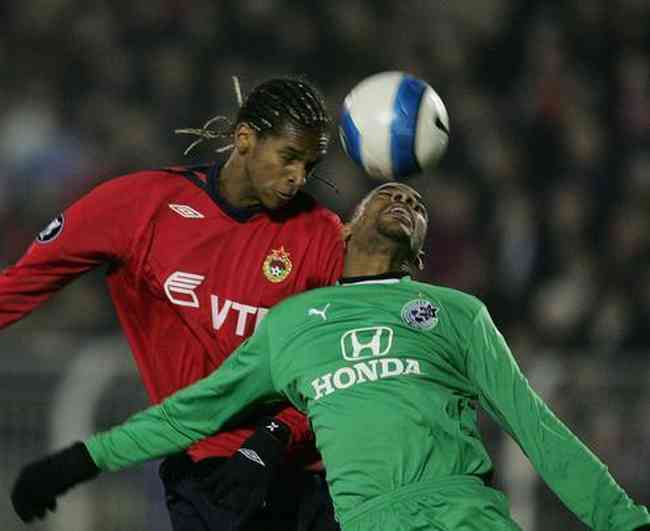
378, 281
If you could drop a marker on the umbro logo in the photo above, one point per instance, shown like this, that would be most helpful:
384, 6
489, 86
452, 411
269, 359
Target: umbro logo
251, 455
185, 211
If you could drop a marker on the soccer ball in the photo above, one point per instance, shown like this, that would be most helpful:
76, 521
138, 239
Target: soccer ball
394, 125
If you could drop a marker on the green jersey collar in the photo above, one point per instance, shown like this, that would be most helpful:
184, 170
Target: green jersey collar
385, 278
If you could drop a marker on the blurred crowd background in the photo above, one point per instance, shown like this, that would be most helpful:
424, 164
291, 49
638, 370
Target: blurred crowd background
541, 205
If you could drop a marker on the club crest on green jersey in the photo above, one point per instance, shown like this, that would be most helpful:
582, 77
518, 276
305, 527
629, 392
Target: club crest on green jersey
420, 314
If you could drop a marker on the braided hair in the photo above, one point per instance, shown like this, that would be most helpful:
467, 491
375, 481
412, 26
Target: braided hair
269, 109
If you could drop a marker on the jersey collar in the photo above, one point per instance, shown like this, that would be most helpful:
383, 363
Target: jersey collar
238, 214
385, 278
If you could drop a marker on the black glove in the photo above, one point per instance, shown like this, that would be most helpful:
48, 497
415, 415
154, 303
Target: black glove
39, 483
240, 485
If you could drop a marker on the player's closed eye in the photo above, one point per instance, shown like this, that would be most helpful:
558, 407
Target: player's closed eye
289, 159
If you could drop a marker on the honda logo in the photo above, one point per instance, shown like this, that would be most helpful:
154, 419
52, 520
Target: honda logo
363, 343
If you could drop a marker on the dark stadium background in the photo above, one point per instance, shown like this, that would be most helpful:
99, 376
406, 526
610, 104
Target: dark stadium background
541, 205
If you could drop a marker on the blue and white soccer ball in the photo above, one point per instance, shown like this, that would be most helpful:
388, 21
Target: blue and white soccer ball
394, 125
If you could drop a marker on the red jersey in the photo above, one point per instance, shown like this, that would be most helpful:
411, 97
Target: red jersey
190, 277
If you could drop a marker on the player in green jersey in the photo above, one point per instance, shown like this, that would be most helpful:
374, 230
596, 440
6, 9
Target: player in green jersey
389, 371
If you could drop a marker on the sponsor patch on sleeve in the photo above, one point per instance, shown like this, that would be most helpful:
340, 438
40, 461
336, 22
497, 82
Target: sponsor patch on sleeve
52, 231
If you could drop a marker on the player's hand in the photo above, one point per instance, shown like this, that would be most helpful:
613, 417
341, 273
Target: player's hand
39, 483
241, 484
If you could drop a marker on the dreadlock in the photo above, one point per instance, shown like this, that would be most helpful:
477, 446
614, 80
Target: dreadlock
270, 107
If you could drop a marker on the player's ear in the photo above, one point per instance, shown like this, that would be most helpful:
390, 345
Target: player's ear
245, 137
419, 261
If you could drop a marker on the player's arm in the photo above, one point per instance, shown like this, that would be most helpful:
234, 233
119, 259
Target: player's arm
192, 413
571, 470
182, 419
86, 234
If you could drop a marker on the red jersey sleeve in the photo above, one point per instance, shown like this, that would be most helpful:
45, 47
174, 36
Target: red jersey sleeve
92, 231
327, 251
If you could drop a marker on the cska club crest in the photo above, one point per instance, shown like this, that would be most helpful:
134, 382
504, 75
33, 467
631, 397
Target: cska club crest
277, 265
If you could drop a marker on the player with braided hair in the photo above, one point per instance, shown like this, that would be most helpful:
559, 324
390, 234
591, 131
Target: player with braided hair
261, 110
196, 257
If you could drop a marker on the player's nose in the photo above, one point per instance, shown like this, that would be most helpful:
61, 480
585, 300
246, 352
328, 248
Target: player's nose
298, 175
404, 196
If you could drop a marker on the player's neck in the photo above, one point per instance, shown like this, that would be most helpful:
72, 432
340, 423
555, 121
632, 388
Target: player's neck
371, 254
359, 263
375, 266
234, 188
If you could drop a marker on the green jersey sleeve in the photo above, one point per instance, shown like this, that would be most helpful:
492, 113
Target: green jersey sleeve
570, 469
191, 413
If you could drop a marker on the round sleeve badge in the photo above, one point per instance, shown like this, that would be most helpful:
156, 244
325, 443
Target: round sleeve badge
52, 231
420, 314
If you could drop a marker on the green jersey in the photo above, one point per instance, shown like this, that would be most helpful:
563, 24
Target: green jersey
389, 373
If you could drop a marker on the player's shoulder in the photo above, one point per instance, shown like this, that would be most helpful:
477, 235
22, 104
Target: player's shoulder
460, 302
138, 194
326, 220
150, 181
305, 208
293, 305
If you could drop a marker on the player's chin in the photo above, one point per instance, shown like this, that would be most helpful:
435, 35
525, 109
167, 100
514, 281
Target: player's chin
397, 230
273, 201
